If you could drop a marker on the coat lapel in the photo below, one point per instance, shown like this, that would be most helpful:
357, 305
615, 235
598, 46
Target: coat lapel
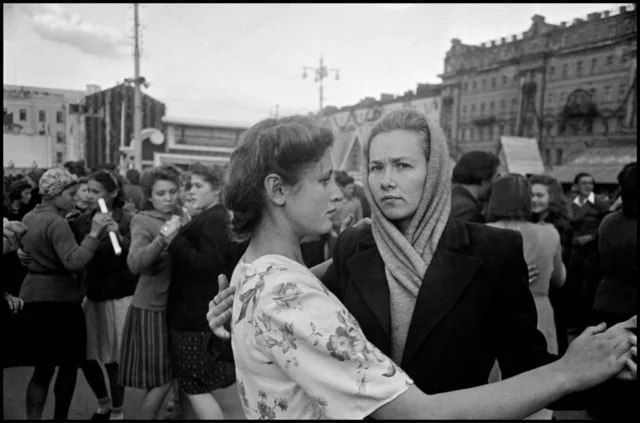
366, 269
443, 284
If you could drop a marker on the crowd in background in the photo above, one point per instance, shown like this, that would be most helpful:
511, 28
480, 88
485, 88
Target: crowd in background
72, 303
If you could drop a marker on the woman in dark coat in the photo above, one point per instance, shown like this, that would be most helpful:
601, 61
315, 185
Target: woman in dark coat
201, 250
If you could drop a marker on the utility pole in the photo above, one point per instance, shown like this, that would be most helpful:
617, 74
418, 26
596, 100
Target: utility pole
137, 98
321, 72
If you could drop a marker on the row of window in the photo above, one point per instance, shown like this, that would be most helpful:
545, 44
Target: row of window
607, 96
579, 68
42, 116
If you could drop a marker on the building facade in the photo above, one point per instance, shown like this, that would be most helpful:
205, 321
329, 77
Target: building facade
187, 140
37, 116
108, 124
569, 86
351, 124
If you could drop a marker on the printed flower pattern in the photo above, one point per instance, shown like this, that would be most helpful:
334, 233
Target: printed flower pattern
294, 339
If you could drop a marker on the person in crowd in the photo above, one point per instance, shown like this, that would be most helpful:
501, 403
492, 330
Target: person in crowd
509, 207
549, 205
12, 236
76, 168
52, 326
145, 360
33, 176
109, 286
19, 196
473, 176
81, 203
358, 192
201, 249
351, 204
584, 274
299, 353
448, 331
617, 293
133, 191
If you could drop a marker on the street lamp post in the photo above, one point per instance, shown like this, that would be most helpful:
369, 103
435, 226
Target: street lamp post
321, 72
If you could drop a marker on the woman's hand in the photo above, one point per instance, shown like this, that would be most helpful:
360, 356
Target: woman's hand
219, 314
533, 273
169, 230
100, 222
15, 303
595, 356
25, 259
12, 233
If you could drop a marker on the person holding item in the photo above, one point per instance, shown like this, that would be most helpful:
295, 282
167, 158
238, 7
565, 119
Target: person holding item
52, 331
145, 359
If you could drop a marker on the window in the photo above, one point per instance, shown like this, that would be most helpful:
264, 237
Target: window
623, 90
565, 70
504, 80
473, 108
464, 87
562, 96
59, 117
493, 82
514, 103
552, 71
579, 68
60, 137
484, 83
42, 116
59, 158
482, 107
491, 105
464, 109
607, 94
592, 91
558, 156
609, 60
23, 115
594, 64
624, 61
503, 104
475, 85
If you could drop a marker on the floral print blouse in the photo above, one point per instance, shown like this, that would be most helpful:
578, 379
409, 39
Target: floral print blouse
299, 353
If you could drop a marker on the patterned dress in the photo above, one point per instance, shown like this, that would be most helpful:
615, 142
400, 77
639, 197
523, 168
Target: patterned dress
299, 353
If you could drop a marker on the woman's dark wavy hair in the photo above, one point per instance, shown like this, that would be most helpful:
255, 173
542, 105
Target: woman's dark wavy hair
211, 173
559, 205
150, 176
510, 199
628, 180
283, 146
111, 182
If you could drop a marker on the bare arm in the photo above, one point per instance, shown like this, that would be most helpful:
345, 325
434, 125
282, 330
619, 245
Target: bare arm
559, 273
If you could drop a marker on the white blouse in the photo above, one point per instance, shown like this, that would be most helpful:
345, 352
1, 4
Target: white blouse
299, 353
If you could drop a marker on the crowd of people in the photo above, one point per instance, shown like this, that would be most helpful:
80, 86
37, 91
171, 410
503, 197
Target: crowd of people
400, 298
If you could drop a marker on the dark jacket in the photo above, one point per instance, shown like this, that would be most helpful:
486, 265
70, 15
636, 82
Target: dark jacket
201, 251
107, 276
474, 306
586, 219
617, 293
464, 206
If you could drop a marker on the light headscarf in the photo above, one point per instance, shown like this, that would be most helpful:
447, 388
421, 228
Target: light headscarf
407, 258
54, 181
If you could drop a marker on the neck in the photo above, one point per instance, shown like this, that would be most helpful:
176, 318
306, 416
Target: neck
543, 215
583, 197
51, 203
270, 238
473, 190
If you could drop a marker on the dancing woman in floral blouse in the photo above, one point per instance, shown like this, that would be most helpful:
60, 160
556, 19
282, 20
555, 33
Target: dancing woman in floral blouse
299, 353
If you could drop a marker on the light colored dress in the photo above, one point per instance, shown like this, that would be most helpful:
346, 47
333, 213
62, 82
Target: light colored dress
542, 248
299, 353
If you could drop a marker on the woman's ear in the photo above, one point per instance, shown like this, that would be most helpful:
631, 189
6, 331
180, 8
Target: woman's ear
276, 190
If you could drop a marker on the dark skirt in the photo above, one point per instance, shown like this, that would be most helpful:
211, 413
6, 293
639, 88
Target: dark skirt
45, 334
145, 362
196, 368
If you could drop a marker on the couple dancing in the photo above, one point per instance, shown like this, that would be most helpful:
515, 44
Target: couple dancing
410, 315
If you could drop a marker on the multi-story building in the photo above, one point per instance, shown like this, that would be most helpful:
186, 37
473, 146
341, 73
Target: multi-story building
569, 86
36, 126
351, 123
187, 140
107, 116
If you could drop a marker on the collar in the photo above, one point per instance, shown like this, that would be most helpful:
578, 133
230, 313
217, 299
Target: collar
42, 207
590, 199
460, 190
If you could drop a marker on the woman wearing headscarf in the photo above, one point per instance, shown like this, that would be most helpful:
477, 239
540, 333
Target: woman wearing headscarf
435, 294
53, 326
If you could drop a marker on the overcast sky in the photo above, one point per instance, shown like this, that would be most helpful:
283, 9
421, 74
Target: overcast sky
237, 61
